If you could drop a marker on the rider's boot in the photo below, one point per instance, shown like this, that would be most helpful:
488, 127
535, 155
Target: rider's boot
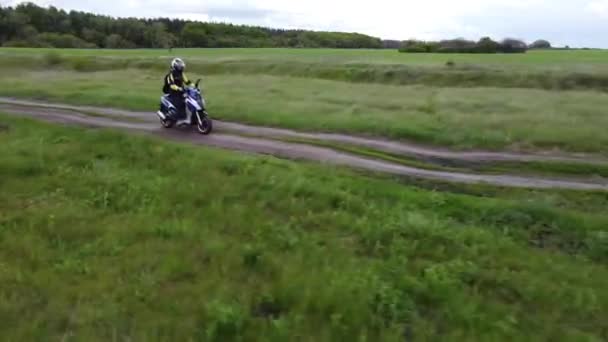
184, 120
160, 111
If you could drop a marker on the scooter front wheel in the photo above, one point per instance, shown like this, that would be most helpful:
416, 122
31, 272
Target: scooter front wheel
205, 124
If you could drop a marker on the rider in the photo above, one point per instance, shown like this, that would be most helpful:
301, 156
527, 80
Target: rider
175, 81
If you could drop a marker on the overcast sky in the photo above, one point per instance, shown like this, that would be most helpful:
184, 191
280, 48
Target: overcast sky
572, 22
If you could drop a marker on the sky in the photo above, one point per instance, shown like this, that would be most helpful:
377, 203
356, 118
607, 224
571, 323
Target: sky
578, 23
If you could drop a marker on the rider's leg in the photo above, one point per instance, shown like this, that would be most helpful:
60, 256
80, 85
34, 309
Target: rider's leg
162, 106
180, 105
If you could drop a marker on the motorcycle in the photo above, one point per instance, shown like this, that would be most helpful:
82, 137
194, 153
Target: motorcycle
196, 111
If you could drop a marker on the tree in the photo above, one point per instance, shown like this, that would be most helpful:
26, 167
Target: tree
391, 44
130, 29
14, 23
93, 36
459, 45
484, 45
27, 32
540, 44
510, 45
78, 23
25, 22
3, 25
156, 36
32, 14
116, 41
487, 45
59, 40
195, 35
417, 46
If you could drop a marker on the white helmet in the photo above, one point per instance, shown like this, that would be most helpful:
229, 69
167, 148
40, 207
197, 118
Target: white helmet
178, 65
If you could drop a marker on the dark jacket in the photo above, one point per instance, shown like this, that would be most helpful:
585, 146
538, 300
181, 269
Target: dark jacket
175, 82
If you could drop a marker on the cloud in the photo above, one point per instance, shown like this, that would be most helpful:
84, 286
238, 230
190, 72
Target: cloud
598, 7
239, 14
576, 23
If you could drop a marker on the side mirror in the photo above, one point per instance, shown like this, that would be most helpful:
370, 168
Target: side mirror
198, 82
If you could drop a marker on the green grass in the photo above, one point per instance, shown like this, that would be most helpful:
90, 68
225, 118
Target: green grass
583, 59
107, 236
564, 70
548, 169
556, 169
489, 118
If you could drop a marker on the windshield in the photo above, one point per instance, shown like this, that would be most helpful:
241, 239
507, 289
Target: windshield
192, 92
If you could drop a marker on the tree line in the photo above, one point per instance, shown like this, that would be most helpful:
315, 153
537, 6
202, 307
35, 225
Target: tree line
484, 45
29, 25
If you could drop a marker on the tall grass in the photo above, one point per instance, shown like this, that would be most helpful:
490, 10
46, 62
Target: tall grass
105, 236
538, 59
488, 118
454, 75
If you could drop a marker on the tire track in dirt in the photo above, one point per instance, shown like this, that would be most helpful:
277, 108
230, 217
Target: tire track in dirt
382, 145
294, 151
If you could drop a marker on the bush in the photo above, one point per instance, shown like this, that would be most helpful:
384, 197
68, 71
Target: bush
487, 45
64, 41
52, 59
540, 44
418, 46
224, 321
484, 45
27, 43
17, 44
85, 64
116, 41
413, 49
457, 46
432, 47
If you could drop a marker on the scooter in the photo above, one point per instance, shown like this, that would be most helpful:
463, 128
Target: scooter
196, 111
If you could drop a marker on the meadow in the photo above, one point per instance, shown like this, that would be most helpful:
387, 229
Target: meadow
543, 59
462, 108
109, 236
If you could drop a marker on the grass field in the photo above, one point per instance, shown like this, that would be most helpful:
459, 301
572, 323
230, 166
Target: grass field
104, 236
489, 118
543, 59
539, 100
537, 69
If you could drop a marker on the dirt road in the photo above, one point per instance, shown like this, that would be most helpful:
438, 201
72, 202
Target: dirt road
398, 148
222, 138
